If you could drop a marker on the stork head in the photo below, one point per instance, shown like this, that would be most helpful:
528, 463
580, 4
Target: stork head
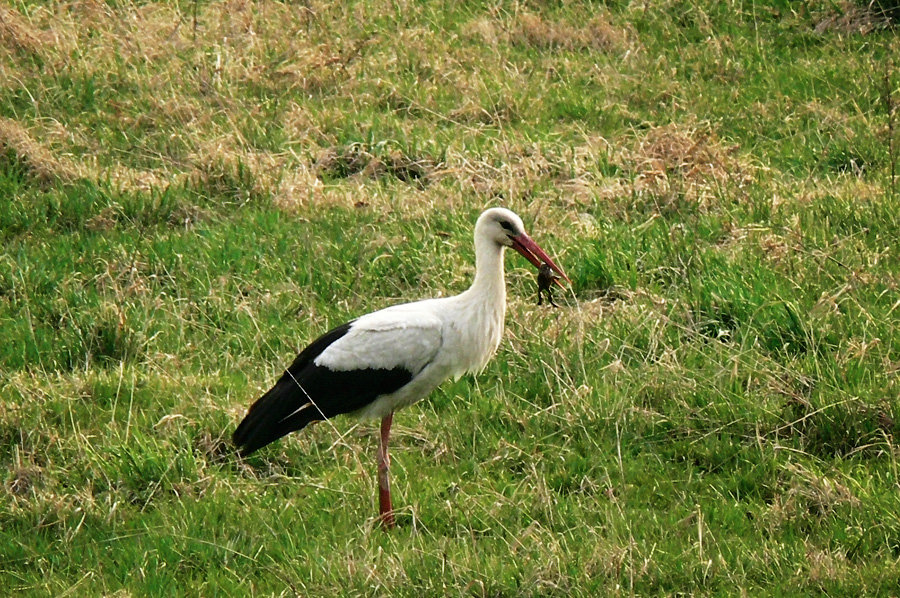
505, 228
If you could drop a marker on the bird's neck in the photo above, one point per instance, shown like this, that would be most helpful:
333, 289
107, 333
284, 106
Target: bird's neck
489, 284
480, 310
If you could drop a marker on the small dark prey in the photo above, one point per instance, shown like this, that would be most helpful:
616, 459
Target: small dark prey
545, 279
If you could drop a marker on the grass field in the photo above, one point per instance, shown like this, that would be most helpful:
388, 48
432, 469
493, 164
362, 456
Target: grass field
191, 191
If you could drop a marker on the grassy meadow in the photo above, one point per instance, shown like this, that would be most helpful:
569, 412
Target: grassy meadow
192, 191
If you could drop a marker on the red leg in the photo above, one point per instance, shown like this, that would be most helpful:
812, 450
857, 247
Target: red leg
384, 464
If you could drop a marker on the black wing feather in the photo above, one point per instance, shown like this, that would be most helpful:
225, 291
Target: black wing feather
283, 409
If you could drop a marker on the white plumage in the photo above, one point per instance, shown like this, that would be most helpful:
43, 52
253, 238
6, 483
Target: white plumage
391, 358
409, 337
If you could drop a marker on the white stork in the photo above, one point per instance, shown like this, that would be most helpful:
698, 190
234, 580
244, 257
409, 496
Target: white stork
388, 359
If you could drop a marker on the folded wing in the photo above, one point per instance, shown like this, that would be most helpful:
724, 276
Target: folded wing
343, 371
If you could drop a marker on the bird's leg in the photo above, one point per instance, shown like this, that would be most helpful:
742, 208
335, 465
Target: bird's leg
540, 296
384, 464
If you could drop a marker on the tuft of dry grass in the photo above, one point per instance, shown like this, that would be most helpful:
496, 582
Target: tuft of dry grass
807, 493
36, 159
358, 159
827, 565
224, 166
691, 152
675, 164
24, 480
597, 34
17, 33
43, 156
850, 18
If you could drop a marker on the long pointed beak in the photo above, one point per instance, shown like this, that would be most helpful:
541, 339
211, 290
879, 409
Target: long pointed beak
532, 252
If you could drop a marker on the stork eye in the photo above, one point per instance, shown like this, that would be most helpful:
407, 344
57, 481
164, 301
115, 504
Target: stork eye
507, 226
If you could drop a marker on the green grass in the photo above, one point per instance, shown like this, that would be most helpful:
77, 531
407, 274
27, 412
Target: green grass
190, 192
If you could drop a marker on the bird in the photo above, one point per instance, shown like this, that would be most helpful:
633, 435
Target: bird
389, 359
545, 279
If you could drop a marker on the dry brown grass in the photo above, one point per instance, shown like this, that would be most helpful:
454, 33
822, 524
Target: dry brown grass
692, 152
668, 166
45, 154
808, 493
675, 164
24, 480
190, 70
18, 33
597, 34
35, 157
358, 159
827, 565
523, 166
298, 187
152, 46
224, 164
851, 18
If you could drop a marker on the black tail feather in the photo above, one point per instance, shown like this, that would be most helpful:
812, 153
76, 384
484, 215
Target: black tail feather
270, 418
272, 415
307, 392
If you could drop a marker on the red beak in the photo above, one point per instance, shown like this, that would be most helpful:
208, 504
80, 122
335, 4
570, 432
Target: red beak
532, 252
